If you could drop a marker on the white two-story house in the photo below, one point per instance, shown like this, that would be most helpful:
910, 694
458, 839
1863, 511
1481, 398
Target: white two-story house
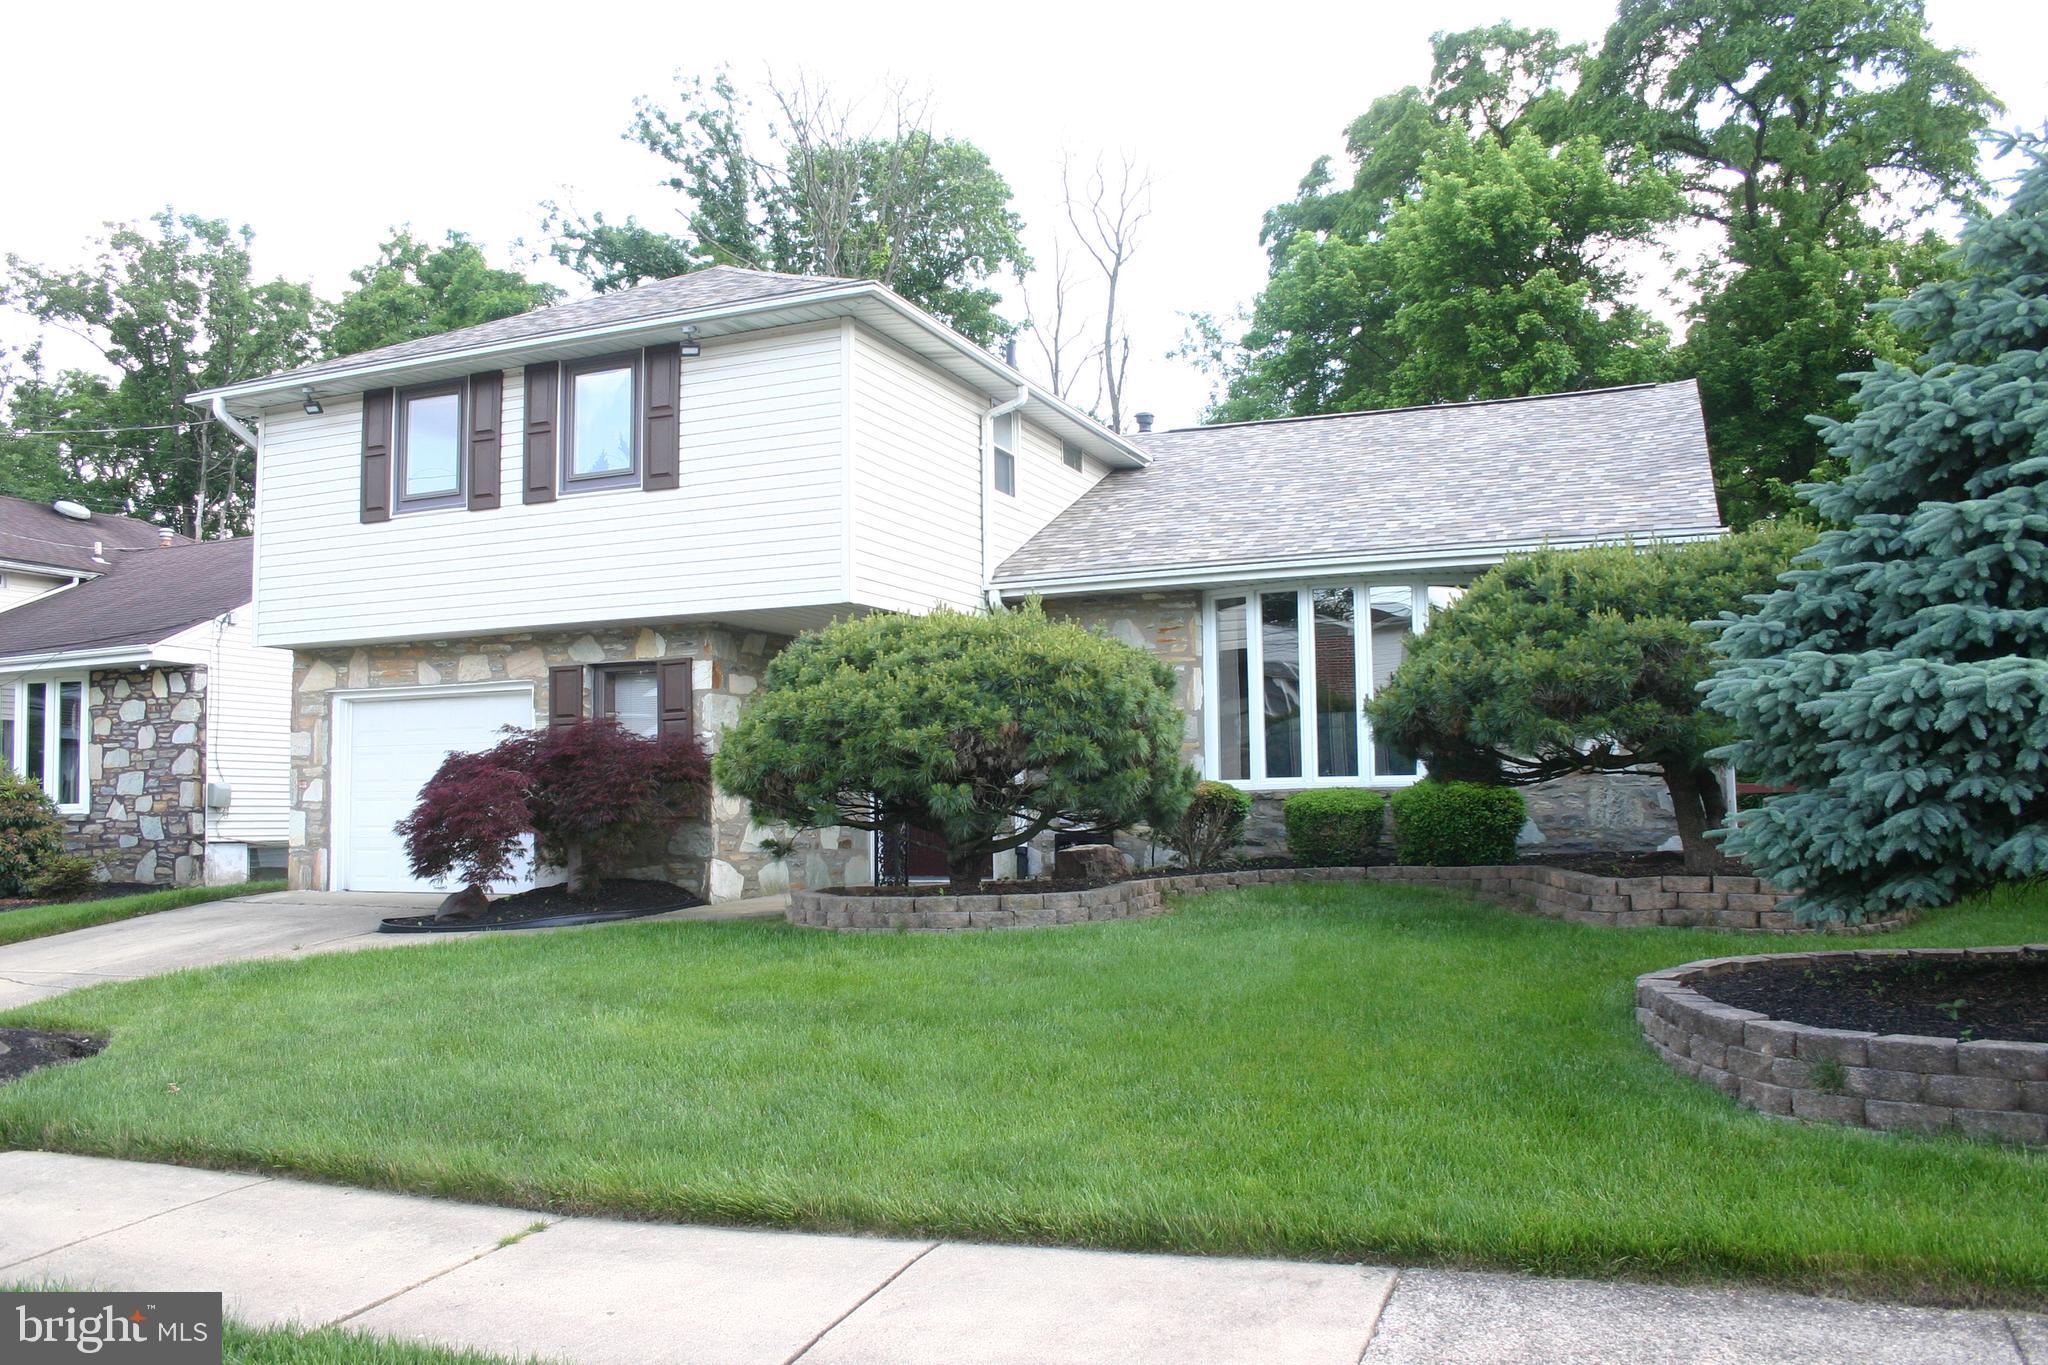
625, 505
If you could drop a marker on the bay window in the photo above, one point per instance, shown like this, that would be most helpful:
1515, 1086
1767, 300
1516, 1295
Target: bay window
45, 738
1292, 669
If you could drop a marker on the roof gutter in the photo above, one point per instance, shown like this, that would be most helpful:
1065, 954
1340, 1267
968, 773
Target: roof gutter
103, 656
988, 478
232, 422
1448, 559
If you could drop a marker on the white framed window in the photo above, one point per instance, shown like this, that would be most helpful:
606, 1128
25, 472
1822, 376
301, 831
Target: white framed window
1006, 454
1291, 668
45, 737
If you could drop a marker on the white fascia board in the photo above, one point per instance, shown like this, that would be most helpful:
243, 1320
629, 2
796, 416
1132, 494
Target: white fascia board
1399, 564
1004, 380
118, 656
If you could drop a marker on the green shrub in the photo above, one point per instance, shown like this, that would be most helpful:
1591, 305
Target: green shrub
63, 877
30, 833
1333, 827
1457, 824
1212, 826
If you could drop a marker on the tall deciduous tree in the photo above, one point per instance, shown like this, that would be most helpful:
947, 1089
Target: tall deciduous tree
825, 191
1584, 661
1899, 681
414, 289
171, 307
1813, 135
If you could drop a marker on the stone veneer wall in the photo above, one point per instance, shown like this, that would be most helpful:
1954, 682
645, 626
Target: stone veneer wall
721, 856
146, 772
1983, 1088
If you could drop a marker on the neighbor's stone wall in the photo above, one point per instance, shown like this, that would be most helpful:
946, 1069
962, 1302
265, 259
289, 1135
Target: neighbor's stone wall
720, 856
146, 774
1983, 1088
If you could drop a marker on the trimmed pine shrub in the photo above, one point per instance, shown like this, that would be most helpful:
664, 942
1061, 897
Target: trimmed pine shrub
1457, 824
31, 835
1213, 825
64, 876
1334, 826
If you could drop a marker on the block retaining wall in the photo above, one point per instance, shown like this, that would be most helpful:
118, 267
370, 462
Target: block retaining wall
1034, 909
1984, 1088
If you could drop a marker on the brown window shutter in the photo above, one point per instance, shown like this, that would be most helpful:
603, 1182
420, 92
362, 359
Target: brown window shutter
565, 696
486, 415
672, 697
377, 455
661, 440
543, 394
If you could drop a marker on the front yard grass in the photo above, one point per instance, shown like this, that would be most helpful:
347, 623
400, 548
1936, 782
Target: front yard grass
1340, 1071
40, 921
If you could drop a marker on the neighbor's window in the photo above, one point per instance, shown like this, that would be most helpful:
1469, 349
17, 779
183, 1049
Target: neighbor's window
1292, 670
1070, 454
631, 697
1006, 453
45, 737
600, 447
430, 445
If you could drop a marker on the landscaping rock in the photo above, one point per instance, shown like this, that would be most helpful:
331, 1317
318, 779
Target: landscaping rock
1090, 863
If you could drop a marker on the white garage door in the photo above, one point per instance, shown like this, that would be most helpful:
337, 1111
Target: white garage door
393, 746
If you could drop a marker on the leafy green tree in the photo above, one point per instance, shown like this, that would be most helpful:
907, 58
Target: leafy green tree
414, 290
1476, 253
1899, 679
988, 729
1813, 135
171, 307
926, 215
1583, 661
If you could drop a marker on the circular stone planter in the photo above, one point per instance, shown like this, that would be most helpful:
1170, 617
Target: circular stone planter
1983, 1088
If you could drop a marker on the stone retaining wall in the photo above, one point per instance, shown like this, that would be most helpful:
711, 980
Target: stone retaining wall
1983, 1088
1033, 909
1742, 903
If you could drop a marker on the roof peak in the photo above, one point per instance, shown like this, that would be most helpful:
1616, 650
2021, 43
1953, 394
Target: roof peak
1421, 407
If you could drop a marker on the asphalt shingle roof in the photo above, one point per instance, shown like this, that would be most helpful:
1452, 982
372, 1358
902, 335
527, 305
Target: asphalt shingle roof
32, 532
147, 596
1604, 463
720, 284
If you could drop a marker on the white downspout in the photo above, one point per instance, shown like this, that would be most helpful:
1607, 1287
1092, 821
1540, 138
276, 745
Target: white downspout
234, 424
988, 477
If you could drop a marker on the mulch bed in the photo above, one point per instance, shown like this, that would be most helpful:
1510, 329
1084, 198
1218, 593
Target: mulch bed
23, 1050
2006, 1000
103, 891
552, 906
1628, 864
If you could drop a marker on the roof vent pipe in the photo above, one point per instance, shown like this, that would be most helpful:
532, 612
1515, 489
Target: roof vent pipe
1010, 353
164, 536
1144, 422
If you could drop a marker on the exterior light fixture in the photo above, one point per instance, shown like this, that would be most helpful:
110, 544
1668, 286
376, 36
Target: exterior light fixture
312, 404
689, 346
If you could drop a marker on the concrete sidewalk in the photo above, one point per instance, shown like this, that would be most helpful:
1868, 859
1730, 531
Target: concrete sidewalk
247, 928
597, 1290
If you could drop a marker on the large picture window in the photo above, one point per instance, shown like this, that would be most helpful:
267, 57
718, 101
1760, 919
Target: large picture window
1293, 668
45, 738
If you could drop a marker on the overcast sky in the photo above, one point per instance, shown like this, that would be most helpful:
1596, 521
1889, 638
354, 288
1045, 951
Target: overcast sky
321, 136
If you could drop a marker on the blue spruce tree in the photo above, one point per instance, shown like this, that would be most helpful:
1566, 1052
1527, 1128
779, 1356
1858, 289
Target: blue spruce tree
1898, 679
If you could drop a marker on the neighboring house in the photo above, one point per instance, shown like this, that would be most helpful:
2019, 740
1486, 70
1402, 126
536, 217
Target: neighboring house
138, 700
626, 505
43, 549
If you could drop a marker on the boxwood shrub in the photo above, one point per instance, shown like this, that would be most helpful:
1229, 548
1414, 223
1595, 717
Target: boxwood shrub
1333, 826
1457, 824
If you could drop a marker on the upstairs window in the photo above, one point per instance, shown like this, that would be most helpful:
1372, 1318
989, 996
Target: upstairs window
600, 444
430, 446
1070, 455
1006, 454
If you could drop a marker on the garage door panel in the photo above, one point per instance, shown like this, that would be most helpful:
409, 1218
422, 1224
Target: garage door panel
394, 746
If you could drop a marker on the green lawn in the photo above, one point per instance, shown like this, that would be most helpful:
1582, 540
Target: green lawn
38, 921
1335, 1071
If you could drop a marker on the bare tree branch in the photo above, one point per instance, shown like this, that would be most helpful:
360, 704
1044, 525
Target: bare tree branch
1105, 209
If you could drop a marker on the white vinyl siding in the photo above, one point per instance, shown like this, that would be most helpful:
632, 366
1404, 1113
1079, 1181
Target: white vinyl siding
916, 477
19, 585
757, 523
248, 728
1046, 487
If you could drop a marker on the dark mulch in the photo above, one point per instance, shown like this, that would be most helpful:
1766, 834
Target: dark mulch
2005, 999
614, 898
23, 1050
102, 891
1628, 864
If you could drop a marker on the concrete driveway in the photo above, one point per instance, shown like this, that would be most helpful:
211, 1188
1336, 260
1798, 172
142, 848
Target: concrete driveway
283, 924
